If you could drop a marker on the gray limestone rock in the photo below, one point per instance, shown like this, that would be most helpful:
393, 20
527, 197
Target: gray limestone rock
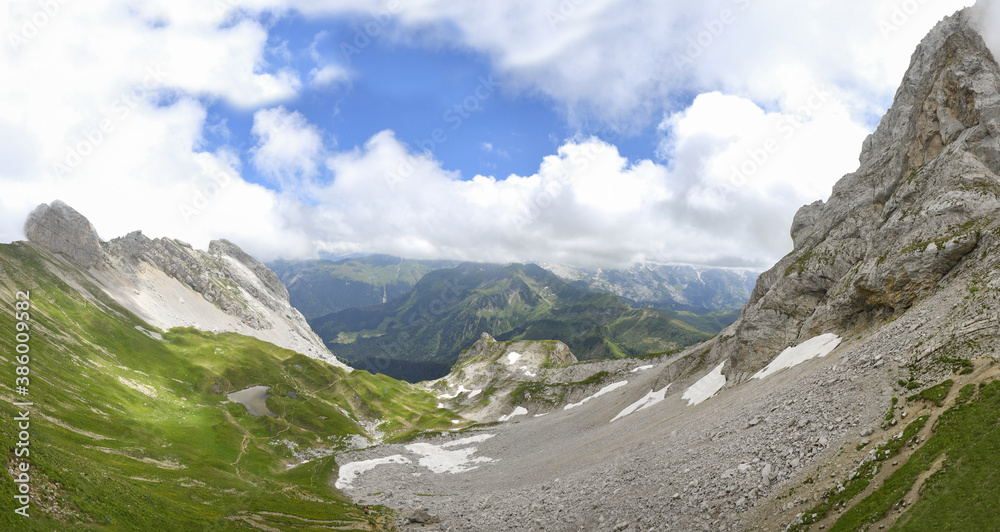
922, 200
60, 229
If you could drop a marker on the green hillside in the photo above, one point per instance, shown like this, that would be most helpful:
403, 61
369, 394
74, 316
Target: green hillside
132, 432
319, 287
419, 336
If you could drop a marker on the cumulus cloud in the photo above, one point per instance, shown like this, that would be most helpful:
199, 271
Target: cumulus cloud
738, 174
288, 146
115, 126
616, 62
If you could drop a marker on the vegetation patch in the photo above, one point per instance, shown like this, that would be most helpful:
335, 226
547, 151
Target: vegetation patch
935, 394
858, 482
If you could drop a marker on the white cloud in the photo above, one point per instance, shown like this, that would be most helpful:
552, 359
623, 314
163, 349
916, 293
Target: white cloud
786, 90
327, 76
288, 147
615, 61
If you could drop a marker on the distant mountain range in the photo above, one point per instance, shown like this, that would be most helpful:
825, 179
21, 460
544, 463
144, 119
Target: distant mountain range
706, 298
420, 335
319, 287
693, 289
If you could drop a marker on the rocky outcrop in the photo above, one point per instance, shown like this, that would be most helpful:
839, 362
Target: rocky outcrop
923, 199
60, 229
225, 276
483, 383
168, 283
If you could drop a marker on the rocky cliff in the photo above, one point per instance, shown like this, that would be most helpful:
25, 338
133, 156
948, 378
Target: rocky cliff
897, 230
169, 284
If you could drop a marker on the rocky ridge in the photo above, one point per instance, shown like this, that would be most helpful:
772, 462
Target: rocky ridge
896, 230
169, 284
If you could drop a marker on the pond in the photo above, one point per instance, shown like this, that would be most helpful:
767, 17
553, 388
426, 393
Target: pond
254, 399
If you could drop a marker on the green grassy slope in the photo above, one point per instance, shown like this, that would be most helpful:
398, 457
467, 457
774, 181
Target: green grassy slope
419, 336
130, 432
959, 461
712, 322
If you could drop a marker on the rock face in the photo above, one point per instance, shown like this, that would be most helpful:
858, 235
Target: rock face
60, 229
170, 284
221, 275
501, 368
893, 232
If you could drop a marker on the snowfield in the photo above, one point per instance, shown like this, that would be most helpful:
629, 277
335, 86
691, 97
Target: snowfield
817, 347
649, 400
519, 411
441, 459
708, 386
607, 389
349, 472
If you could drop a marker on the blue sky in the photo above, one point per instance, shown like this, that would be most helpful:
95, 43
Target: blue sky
582, 132
415, 90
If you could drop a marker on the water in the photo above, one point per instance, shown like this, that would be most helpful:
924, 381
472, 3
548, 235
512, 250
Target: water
254, 399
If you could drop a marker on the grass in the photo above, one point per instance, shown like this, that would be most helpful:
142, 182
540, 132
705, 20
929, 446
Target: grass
551, 393
860, 480
935, 394
131, 433
963, 494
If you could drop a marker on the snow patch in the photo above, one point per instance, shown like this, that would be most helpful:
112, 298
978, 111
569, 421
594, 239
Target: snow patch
440, 459
649, 400
519, 411
607, 389
512, 358
642, 368
708, 386
468, 441
349, 472
474, 393
461, 390
817, 347
526, 372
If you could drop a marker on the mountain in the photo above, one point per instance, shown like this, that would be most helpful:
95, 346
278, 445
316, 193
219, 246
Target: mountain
124, 408
167, 283
667, 287
420, 336
858, 390
916, 222
321, 287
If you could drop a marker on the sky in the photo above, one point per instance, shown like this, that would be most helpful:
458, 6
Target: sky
591, 133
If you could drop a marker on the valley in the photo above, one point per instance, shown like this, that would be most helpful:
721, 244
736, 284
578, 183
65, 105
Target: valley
857, 388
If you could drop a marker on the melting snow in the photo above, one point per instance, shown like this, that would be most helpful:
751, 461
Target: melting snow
526, 372
474, 393
708, 386
519, 411
607, 389
817, 347
461, 390
649, 400
350, 471
512, 358
439, 459
642, 368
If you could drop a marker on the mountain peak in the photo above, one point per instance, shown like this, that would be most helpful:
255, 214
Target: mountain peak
61, 229
948, 88
903, 227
